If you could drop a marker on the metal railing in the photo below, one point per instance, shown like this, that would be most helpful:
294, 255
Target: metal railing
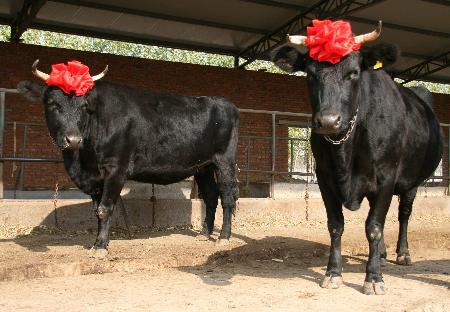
247, 170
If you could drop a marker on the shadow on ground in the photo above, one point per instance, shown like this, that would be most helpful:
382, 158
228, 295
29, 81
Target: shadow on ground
76, 224
286, 257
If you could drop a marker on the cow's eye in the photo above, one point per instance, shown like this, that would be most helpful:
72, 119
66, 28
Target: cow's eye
311, 77
53, 106
352, 75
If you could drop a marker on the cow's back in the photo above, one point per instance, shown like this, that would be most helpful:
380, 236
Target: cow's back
168, 137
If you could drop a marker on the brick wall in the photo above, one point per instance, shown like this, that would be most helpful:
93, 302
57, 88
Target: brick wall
247, 89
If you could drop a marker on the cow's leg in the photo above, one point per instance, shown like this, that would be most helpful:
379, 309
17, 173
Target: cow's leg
335, 222
379, 206
114, 180
383, 252
210, 194
404, 211
95, 203
228, 190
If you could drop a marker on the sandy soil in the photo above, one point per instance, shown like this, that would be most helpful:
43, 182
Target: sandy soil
266, 267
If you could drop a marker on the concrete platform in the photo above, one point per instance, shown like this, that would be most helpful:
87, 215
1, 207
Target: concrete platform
77, 214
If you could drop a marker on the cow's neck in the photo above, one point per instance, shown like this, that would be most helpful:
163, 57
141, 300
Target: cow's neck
348, 157
344, 158
82, 163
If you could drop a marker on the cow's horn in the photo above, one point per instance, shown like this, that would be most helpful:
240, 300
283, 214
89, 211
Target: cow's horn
296, 40
37, 72
101, 75
370, 36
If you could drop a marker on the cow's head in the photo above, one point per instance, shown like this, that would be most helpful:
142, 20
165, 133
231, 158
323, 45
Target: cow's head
334, 87
65, 112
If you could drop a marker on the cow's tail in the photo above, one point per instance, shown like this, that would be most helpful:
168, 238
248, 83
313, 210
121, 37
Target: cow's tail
234, 139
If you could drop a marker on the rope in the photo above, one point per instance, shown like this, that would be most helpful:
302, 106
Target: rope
308, 167
55, 203
14, 166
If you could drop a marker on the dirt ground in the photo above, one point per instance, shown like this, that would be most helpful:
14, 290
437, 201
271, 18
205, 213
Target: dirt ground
266, 267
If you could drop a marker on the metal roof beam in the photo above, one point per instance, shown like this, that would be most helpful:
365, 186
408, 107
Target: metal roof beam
6, 20
24, 18
186, 20
360, 19
399, 27
322, 9
132, 39
423, 69
277, 4
414, 55
441, 2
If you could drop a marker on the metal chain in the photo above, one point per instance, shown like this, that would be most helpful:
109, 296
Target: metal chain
55, 204
55, 196
349, 131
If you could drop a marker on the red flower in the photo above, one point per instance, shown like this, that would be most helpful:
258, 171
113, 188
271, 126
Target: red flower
71, 77
330, 41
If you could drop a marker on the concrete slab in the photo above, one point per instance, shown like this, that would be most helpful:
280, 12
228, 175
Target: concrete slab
77, 214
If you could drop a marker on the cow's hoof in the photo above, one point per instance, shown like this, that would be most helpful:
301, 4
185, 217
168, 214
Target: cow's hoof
98, 253
332, 282
223, 242
373, 288
404, 260
383, 262
203, 237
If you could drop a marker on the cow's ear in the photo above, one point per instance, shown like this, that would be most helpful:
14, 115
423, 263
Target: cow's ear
289, 59
379, 56
30, 90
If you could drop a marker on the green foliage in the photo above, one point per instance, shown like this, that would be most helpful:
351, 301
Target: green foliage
433, 87
5, 32
300, 154
58, 40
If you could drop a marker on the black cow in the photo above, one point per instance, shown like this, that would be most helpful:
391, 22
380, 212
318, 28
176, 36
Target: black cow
114, 133
371, 138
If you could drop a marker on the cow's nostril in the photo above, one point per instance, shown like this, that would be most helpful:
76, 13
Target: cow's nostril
338, 121
318, 123
327, 122
73, 141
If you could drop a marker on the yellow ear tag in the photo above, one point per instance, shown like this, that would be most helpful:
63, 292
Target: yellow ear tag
378, 65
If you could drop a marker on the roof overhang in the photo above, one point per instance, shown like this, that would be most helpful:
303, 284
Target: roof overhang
245, 29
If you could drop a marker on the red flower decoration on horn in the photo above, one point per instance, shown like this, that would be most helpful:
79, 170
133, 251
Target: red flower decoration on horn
330, 41
71, 77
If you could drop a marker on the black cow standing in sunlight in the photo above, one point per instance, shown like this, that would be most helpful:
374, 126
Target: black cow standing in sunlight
372, 138
113, 133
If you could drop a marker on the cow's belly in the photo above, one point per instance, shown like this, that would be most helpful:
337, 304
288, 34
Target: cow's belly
164, 178
165, 173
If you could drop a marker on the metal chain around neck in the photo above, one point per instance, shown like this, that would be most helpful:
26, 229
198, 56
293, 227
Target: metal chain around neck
349, 131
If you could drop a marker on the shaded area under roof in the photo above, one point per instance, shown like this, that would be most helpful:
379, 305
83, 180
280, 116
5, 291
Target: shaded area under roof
246, 29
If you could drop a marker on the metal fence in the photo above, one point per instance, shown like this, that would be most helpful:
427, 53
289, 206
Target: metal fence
294, 168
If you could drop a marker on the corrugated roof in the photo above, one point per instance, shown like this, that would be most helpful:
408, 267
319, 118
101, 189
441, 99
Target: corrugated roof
420, 27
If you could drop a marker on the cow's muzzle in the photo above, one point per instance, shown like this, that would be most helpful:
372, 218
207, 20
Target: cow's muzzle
72, 142
327, 122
